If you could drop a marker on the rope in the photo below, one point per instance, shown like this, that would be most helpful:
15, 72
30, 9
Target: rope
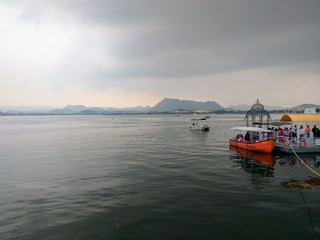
318, 174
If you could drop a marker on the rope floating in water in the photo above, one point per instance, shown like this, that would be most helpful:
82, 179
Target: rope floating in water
289, 144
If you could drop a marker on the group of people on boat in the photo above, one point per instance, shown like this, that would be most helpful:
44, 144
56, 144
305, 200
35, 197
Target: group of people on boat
294, 132
302, 136
252, 136
281, 134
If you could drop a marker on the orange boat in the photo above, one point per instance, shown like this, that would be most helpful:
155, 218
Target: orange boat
252, 139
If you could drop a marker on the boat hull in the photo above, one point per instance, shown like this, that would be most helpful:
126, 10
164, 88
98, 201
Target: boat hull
204, 128
263, 158
297, 149
266, 146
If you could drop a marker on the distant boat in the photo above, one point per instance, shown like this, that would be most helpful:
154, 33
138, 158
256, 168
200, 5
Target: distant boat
198, 125
204, 118
252, 139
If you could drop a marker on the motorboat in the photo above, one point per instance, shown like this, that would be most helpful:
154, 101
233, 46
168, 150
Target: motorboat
198, 125
252, 139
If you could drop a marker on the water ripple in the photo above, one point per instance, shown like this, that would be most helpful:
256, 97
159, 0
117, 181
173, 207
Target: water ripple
143, 177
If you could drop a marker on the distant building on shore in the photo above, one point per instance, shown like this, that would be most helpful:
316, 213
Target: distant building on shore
295, 110
202, 111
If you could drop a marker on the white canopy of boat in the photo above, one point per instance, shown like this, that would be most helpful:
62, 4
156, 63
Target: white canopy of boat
252, 129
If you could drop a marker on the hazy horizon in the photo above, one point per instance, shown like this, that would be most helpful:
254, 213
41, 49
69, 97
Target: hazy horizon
47, 107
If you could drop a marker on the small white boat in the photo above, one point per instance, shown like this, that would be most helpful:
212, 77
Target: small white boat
198, 125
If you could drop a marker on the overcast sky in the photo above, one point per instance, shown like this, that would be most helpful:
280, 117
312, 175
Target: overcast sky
137, 52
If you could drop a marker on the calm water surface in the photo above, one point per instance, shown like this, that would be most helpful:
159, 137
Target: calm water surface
147, 177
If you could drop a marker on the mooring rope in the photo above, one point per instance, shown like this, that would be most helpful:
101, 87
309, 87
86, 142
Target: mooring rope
318, 174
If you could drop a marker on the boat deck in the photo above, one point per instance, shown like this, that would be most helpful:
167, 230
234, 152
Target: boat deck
307, 146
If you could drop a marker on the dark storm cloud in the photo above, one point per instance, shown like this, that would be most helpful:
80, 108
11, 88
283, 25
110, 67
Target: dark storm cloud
190, 38
183, 38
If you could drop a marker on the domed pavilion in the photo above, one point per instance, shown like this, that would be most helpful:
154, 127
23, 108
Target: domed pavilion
257, 115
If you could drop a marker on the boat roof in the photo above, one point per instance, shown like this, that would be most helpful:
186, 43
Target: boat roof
300, 118
274, 123
252, 129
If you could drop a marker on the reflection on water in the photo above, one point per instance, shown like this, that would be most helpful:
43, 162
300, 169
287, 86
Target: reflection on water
255, 163
312, 160
306, 184
263, 165
260, 166
146, 177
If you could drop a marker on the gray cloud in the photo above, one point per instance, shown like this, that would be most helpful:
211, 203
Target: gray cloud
201, 37
115, 41
187, 38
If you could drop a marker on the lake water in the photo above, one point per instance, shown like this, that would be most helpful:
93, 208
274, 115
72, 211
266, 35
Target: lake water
148, 177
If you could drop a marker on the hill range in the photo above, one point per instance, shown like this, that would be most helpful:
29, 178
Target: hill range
166, 105
169, 104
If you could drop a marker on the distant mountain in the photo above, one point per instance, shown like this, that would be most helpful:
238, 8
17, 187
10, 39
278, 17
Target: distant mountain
58, 111
245, 107
137, 109
83, 110
307, 105
24, 109
74, 108
66, 110
239, 107
165, 105
170, 104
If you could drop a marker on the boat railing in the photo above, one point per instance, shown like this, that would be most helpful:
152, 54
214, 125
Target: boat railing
304, 142
252, 138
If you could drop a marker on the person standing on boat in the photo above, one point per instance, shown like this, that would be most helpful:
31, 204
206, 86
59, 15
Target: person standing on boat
291, 139
301, 132
302, 136
314, 134
294, 134
294, 131
247, 137
308, 130
314, 131
281, 135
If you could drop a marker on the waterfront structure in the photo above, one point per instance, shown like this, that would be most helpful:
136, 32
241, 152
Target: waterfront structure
257, 116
